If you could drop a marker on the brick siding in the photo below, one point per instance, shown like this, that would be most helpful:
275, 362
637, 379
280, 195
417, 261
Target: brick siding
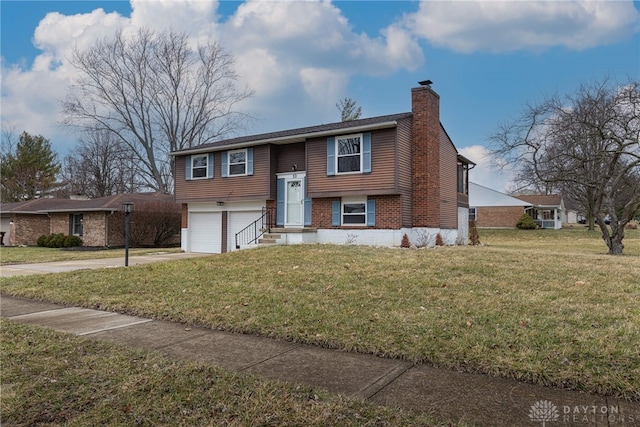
498, 216
388, 213
425, 104
27, 228
185, 215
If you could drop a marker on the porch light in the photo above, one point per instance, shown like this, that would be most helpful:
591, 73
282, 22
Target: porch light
220, 203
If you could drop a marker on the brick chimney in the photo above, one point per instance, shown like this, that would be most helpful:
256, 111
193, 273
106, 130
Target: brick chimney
425, 105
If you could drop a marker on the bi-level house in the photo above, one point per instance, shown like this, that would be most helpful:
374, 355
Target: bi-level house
366, 181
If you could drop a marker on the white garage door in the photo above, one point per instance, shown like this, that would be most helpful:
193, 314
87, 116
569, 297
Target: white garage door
205, 232
237, 222
5, 226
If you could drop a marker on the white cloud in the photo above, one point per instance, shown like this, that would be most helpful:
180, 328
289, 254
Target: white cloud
196, 17
297, 56
322, 83
505, 26
487, 172
57, 35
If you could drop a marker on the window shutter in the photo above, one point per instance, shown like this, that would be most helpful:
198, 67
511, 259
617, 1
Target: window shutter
210, 159
280, 203
70, 224
187, 168
225, 168
331, 156
366, 152
307, 206
371, 213
335, 213
249, 161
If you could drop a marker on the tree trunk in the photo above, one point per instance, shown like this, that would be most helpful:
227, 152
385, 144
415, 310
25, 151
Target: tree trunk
614, 238
615, 246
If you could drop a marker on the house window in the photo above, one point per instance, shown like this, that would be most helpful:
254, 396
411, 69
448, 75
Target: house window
237, 162
472, 214
199, 166
354, 211
463, 173
76, 224
349, 153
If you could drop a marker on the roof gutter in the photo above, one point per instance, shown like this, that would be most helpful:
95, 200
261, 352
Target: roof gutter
287, 139
50, 211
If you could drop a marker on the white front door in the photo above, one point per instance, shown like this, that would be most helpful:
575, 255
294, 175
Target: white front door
294, 199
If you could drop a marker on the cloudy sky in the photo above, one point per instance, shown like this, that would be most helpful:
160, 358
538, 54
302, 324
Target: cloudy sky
487, 59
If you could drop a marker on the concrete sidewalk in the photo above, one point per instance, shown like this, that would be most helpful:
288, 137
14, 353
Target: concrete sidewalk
477, 399
87, 264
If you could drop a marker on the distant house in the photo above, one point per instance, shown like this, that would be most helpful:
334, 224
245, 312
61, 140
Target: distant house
491, 208
366, 181
97, 221
547, 210
572, 214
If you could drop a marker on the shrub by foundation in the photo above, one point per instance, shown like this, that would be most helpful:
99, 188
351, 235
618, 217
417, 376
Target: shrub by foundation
405, 241
526, 223
59, 241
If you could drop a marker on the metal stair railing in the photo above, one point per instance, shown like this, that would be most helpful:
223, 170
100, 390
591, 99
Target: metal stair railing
252, 232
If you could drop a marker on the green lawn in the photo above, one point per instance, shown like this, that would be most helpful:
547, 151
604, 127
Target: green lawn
28, 255
50, 378
547, 307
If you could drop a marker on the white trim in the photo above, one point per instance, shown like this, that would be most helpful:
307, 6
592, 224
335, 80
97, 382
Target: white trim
206, 166
338, 155
353, 200
229, 174
292, 177
387, 238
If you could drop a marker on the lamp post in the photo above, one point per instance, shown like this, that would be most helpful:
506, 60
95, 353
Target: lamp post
127, 207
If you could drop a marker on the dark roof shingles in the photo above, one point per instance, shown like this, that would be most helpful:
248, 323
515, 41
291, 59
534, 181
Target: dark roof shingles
107, 203
300, 131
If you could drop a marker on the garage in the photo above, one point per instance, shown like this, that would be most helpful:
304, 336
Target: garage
238, 220
5, 227
205, 232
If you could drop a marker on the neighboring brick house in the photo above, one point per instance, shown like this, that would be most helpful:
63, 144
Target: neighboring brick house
366, 181
491, 208
97, 221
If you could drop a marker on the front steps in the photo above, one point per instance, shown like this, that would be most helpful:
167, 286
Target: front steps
288, 236
269, 239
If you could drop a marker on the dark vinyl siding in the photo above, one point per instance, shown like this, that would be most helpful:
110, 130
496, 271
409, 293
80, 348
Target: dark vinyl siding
273, 178
448, 183
381, 180
289, 155
226, 189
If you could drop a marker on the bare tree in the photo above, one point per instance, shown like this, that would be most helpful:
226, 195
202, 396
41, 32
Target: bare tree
587, 145
349, 110
156, 94
153, 223
100, 165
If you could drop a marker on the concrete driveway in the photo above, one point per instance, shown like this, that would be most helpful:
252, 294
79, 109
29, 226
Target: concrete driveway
88, 264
